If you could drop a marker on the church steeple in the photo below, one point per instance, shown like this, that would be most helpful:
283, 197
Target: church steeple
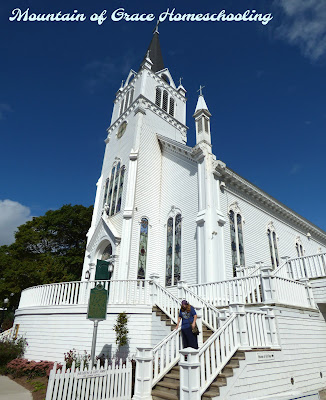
202, 119
154, 52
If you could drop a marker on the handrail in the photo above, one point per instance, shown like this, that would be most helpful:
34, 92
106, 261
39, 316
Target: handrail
210, 315
168, 303
237, 290
217, 352
311, 266
6, 334
166, 355
122, 291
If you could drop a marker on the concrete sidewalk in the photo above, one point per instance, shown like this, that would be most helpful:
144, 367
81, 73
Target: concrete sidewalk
10, 390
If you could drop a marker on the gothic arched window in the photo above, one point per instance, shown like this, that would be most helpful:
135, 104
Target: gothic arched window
236, 232
272, 240
299, 247
126, 101
113, 190
173, 250
142, 249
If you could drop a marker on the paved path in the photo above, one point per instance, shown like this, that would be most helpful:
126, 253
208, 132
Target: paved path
10, 390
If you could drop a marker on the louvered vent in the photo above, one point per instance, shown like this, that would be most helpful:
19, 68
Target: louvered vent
165, 101
158, 97
206, 125
200, 125
171, 109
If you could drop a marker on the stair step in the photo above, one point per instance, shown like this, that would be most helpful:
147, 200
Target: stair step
211, 393
241, 357
160, 394
225, 373
232, 364
174, 375
176, 368
217, 384
169, 385
221, 380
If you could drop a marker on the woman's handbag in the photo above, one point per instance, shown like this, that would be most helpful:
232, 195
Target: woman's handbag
195, 330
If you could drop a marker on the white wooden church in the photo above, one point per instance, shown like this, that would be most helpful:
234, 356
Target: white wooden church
172, 222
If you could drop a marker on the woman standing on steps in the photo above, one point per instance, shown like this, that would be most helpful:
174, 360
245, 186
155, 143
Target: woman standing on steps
188, 316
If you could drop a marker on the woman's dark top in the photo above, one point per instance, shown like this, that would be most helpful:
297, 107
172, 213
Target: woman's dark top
187, 318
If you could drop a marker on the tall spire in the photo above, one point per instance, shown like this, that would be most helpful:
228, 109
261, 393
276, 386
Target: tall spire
154, 52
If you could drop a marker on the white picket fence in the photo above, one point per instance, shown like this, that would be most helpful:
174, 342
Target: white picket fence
77, 293
98, 383
6, 335
313, 266
238, 290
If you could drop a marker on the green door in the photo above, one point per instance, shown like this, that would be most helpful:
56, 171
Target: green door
102, 271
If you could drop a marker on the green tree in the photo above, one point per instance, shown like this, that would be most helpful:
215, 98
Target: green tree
47, 249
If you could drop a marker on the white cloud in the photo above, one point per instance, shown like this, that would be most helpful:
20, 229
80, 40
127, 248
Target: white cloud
4, 110
12, 215
304, 26
295, 169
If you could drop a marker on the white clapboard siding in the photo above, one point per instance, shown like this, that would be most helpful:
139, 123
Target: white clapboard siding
302, 336
255, 239
97, 383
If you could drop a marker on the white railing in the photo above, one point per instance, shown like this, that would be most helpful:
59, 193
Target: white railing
257, 329
210, 315
238, 290
6, 335
217, 351
77, 293
313, 266
96, 383
242, 271
242, 330
166, 355
165, 300
290, 292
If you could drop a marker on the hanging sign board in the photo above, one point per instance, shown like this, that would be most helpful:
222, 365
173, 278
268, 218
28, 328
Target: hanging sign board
97, 305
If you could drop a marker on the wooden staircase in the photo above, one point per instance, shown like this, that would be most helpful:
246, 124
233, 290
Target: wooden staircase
168, 387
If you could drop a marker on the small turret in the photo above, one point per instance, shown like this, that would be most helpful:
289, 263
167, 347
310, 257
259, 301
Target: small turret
202, 120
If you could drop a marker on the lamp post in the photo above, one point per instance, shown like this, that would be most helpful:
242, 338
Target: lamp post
5, 303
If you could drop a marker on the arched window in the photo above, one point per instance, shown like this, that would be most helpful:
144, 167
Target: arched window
236, 232
299, 247
158, 97
272, 240
107, 253
126, 101
173, 250
113, 190
142, 249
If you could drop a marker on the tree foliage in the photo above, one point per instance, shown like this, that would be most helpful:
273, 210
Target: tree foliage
47, 249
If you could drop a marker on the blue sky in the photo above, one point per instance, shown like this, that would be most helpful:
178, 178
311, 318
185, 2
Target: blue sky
264, 86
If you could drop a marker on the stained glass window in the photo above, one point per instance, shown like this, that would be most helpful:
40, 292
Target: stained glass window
177, 249
169, 253
122, 175
142, 249
237, 247
113, 190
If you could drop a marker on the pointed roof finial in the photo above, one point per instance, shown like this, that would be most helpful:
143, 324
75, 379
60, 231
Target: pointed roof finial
180, 81
155, 52
156, 27
200, 90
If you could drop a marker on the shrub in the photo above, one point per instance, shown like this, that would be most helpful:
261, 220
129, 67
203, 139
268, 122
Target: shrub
121, 330
80, 360
22, 367
11, 349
